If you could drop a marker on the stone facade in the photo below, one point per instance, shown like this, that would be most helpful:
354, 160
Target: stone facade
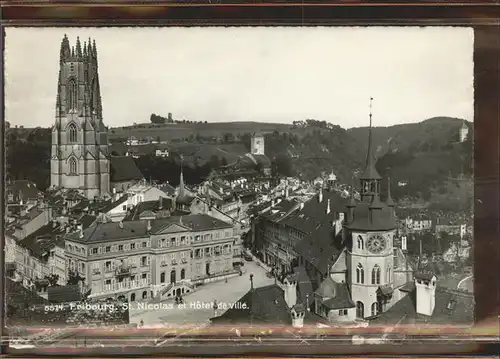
80, 158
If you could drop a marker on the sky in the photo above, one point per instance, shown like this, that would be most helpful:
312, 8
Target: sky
266, 74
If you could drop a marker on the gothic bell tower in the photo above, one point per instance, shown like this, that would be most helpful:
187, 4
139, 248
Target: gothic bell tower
80, 157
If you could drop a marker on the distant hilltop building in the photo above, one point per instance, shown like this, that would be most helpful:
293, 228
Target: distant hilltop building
80, 150
464, 131
257, 144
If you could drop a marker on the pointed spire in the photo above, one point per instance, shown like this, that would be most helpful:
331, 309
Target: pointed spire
390, 202
370, 171
84, 49
65, 49
89, 48
78, 48
94, 49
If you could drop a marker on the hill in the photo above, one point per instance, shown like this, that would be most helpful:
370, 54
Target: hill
173, 131
426, 155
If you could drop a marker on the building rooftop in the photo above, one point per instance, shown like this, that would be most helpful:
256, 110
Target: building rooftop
123, 168
112, 231
452, 307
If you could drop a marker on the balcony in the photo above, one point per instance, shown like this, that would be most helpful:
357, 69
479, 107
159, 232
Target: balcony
122, 271
174, 261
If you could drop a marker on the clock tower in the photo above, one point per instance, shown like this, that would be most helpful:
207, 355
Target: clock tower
371, 227
80, 158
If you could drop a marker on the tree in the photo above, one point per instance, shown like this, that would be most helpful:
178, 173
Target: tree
53, 279
75, 278
282, 164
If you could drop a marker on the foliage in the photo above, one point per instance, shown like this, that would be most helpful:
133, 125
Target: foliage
53, 279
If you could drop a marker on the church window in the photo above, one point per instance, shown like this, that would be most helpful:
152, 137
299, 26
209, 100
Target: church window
72, 94
360, 243
376, 275
73, 133
72, 166
360, 274
375, 308
360, 310
388, 280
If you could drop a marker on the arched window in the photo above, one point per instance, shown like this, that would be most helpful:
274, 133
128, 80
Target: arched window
72, 94
162, 277
360, 310
73, 170
144, 295
375, 308
360, 274
183, 273
360, 242
388, 279
376, 274
172, 276
132, 297
73, 133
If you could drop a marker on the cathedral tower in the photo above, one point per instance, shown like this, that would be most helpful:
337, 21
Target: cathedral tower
80, 158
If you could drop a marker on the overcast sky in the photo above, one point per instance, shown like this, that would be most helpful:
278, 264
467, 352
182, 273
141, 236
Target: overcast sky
268, 74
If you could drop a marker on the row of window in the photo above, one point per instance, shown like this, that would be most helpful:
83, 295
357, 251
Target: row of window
360, 274
120, 247
360, 309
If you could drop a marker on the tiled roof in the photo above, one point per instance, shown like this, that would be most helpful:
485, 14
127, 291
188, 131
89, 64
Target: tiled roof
383, 220
452, 307
315, 213
304, 285
111, 231
335, 295
123, 168
168, 189
113, 204
42, 240
64, 294
151, 206
265, 305
320, 247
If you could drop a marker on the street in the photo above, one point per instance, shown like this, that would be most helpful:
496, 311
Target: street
199, 304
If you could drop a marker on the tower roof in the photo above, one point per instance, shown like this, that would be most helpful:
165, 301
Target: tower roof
370, 172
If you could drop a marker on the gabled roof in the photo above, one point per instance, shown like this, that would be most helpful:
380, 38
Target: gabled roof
321, 247
42, 240
123, 168
452, 307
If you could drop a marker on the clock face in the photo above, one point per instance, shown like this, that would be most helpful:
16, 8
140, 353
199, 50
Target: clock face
376, 243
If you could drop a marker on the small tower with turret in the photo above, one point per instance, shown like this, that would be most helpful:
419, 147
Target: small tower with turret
464, 132
257, 144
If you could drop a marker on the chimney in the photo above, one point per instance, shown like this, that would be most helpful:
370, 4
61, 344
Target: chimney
54, 223
320, 196
287, 192
149, 226
425, 284
307, 303
160, 205
298, 315
328, 209
290, 292
272, 203
120, 224
81, 232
